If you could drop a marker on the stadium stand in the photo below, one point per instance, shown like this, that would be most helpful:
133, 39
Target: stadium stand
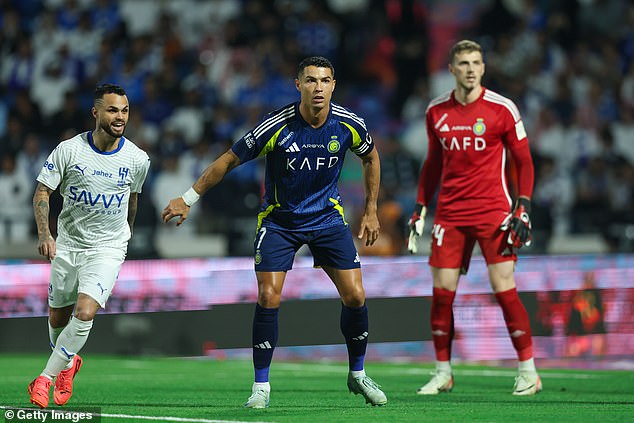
199, 72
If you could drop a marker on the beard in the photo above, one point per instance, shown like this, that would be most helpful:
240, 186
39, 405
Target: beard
105, 126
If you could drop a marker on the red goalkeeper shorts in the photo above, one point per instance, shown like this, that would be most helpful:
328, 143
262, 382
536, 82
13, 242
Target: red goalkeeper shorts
451, 246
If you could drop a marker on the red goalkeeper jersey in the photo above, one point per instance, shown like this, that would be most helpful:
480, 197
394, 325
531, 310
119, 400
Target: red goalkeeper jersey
468, 153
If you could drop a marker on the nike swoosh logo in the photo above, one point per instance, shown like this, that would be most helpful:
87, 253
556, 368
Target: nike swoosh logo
526, 389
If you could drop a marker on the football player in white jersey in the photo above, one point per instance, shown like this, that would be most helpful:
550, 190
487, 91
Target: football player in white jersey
100, 175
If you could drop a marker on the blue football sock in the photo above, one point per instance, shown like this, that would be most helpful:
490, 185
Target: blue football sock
354, 326
265, 331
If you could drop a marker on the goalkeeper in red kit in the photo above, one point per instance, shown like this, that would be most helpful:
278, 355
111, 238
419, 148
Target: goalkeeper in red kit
471, 130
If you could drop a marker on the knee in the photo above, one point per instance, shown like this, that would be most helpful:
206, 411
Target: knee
59, 317
86, 307
501, 282
269, 297
445, 278
85, 314
354, 297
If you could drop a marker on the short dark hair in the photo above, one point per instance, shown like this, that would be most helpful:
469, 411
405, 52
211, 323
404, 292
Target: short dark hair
104, 89
318, 61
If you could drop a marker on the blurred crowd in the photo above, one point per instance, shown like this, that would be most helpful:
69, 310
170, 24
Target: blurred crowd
199, 73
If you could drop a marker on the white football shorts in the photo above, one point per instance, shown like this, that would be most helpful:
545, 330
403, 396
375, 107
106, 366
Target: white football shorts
92, 272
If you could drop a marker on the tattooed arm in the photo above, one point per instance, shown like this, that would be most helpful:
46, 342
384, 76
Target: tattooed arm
132, 207
46, 243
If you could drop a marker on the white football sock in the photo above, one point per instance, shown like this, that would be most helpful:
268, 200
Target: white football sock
264, 385
527, 366
443, 366
69, 342
357, 373
53, 333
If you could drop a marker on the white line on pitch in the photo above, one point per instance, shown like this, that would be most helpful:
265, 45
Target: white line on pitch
171, 419
138, 417
338, 368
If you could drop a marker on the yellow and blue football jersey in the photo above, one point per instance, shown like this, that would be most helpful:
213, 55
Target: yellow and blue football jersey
303, 165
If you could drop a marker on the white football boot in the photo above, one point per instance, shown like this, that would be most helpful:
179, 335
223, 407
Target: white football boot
527, 383
441, 382
365, 386
259, 397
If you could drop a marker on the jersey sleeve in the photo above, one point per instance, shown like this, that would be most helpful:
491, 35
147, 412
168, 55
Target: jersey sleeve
525, 170
432, 167
54, 167
141, 174
261, 139
362, 142
247, 148
516, 140
514, 131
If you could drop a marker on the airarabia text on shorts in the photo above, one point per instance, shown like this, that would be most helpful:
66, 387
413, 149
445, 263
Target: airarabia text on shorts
27, 415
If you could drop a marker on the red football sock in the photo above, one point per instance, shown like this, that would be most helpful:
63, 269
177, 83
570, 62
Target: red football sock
442, 330
517, 323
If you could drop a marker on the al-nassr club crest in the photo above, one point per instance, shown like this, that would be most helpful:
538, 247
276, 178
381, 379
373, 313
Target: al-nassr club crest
479, 127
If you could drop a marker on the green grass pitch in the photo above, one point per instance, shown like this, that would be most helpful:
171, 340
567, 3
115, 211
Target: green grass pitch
204, 390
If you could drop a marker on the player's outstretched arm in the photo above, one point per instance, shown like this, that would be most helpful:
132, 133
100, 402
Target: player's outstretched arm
45, 242
371, 176
215, 172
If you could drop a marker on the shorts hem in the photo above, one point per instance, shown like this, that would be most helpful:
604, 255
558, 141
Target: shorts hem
501, 259
272, 270
358, 266
102, 305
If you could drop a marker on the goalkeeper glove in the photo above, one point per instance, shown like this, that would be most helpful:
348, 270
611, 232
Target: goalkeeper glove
518, 225
416, 224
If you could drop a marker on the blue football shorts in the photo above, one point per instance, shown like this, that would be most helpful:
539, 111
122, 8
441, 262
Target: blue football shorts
333, 247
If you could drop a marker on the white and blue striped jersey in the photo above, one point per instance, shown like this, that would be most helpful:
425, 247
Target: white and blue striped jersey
303, 165
95, 187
